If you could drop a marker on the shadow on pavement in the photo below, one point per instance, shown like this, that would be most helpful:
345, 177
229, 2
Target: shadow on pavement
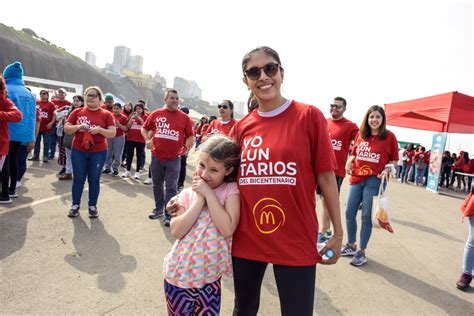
427, 229
13, 226
446, 301
97, 252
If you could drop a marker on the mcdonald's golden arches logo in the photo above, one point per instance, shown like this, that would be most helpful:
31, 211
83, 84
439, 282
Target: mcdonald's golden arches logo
268, 215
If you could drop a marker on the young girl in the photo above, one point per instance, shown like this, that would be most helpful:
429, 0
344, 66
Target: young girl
207, 217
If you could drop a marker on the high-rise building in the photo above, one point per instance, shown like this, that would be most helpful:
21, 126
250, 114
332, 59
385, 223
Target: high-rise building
187, 88
239, 107
121, 55
135, 63
91, 59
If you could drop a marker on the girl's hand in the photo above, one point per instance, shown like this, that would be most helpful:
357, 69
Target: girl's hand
200, 186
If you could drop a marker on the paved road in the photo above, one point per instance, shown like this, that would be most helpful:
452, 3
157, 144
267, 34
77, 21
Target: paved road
50, 264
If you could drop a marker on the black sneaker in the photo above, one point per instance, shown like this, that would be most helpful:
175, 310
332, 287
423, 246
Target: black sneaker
167, 221
93, 213
12, 194
106, 171
155, 214
115, 173
5, 200
74, 211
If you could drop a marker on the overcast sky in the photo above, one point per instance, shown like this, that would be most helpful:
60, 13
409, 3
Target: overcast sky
370, 52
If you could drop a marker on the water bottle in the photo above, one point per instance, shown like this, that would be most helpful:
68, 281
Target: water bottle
328, 254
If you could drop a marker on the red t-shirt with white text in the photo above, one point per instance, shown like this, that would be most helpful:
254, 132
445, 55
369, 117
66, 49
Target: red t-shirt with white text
217, 126
280, 158
371, 156
170, 130
60, 105
46, 109
122, 119
100, 117
342, 132
135, 131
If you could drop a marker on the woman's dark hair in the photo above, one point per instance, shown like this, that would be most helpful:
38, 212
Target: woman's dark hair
80, 98
139, 105
231, 106
212, 118
3, 87
466, 157
365, 130
223, 149
267, 50
252, 102
125, 108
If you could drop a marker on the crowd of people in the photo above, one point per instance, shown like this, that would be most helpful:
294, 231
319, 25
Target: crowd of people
253, 187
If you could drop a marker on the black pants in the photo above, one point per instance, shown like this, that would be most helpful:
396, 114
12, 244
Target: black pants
182, 171
295, 285
10, 169
140, 153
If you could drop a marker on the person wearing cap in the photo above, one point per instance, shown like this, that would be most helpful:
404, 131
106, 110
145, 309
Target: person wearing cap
24, 130
108, 103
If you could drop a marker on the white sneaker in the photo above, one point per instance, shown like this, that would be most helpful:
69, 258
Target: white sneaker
148, 181
137, 175
18, 184
126, 174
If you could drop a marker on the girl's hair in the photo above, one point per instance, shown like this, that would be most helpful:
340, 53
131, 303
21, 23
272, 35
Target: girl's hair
100, 94
139, 105
225, 150
80, 97
125, 106
365, 130
466, 157
3, 87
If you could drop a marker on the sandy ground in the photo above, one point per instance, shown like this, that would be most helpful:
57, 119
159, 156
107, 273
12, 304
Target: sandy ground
51, 264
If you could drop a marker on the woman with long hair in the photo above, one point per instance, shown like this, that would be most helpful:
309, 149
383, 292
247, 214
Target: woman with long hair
374, 148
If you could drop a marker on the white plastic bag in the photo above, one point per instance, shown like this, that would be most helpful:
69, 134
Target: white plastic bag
380, 208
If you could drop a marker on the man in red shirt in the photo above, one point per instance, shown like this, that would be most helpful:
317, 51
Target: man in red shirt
165, 131
342, 133
60, 103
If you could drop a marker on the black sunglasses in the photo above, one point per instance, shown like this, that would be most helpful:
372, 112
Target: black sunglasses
337, 106
223, 106
270, 70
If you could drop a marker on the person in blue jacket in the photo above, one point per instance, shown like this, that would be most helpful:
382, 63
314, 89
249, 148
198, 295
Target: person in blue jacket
24, 130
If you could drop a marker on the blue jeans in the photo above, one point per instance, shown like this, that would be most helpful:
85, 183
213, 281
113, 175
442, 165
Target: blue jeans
86, 164
22, 156
361, 192
468, 263
46, 142
405, 170
164, 173
53, 141
419, 175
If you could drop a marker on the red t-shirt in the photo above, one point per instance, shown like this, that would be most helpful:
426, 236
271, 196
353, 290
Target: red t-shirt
171, 129
99, 117
122, 119
371, 156
410, 154
8, 113
217, 126
38, 115
134, 132
60, 105
46, 109
280, 158
342, 132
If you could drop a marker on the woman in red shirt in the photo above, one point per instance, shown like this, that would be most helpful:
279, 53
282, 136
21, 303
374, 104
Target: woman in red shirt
135, 139
47, 112
224, 123
374, 148
279, 170
91, 125
8, 113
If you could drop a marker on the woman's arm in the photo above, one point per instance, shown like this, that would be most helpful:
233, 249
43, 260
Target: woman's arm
349, 165
328, 186
185, 219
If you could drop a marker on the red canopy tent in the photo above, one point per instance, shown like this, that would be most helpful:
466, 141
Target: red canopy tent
451, 112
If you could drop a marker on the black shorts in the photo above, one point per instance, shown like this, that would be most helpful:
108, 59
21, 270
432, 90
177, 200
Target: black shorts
338, 182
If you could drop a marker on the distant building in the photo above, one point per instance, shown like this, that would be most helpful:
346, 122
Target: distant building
187, 88
139, 79
159, 79
240, 107
121, 55
91, 59
135, 63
